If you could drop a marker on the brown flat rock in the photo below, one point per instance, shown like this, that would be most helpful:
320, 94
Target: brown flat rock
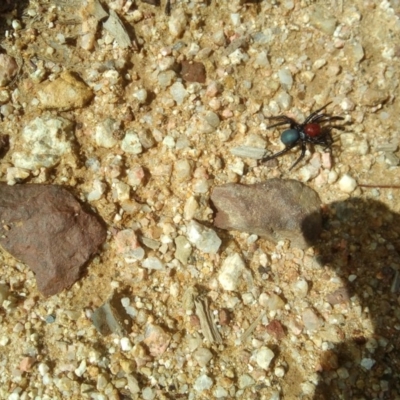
276, 209
45, 227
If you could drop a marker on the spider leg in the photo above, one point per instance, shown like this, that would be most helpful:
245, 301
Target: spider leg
279, 153
284, 120
320, 119
303, 152
279, 124
312, 115
324, 140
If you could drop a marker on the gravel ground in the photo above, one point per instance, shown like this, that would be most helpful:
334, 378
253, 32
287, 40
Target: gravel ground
150, 141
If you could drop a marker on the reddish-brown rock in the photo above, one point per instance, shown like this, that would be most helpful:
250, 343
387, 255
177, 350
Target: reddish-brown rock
276, 209
193, 71
45, 227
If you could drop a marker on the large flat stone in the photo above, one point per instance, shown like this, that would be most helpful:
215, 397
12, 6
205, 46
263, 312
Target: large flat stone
276, 209
45, 227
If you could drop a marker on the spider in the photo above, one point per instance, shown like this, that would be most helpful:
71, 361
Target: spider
310, 131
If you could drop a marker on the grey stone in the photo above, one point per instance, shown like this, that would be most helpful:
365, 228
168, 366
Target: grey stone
44, 142
276, 209
183, 249
108, 319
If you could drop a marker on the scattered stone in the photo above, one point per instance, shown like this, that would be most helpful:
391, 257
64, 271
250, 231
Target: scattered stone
17, 175
166, 78
271, 301
279, 372
231, 270
275, 209
36, 220
26, 364
367, 363
224, 317
339, 296
106, 132
205, 239
263, 357
8, 69
321, 19
98, 190
183, 170
183, 249
44, 142
245, 381
177, 23
248, 152
141, 95
329, 361
212, 119
120, 191
117, 30
178, 92
108, 319
136, 176
128, 246
126, 344
374, 96
65, 93
220, 392
203, 382
202, 356
347, 184
311, 320
193, 71
300, 288
156, 339
148, 393
285, 78
153, 263
146, 138
131, 143
275, 329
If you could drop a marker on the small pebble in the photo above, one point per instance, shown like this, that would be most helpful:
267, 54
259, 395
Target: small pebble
300, 288
231, 270
203, 382
153, 263
367, 363
311, 321
347, 184
285, 78
245, 381
202, 356
205, 239
263, 357
279, 372
177, 23
178, 92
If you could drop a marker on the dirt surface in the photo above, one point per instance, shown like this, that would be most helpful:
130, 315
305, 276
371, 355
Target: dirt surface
330, 314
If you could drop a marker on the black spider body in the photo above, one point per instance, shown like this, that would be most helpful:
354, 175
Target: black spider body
310, 131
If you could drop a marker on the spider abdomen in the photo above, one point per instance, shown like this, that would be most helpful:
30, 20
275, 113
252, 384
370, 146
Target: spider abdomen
312, 130
290, 136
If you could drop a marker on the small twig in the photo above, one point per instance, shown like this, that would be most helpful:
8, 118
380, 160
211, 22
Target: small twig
253, 326
380, 186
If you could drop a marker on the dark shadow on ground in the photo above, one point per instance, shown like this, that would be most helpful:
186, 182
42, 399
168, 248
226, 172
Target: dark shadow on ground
11, 7
362, 238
